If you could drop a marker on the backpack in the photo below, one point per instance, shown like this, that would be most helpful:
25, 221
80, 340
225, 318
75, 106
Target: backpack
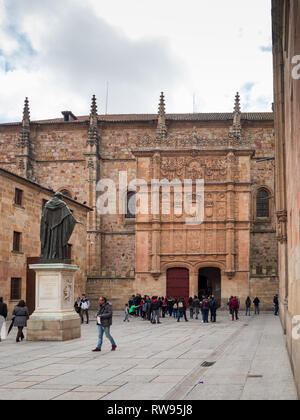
180, 305
175, 306
206, 304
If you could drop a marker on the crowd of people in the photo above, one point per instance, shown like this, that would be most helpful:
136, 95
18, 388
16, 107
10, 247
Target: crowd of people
149, 309
154, 308
234, 306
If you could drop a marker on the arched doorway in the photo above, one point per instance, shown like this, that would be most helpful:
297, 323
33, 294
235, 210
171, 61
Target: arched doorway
209, 282
178, 283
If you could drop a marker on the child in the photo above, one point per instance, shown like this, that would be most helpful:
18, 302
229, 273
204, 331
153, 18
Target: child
126, 313
132, 309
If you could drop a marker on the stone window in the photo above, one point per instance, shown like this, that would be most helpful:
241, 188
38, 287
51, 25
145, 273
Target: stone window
131, 205
18, 197
17, 241
15, 288
262, 203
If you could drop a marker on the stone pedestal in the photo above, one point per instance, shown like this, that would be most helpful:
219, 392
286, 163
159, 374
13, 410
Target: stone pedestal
54, 318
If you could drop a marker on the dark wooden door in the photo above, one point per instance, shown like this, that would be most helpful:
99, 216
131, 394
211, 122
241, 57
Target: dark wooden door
30, 284
178, 283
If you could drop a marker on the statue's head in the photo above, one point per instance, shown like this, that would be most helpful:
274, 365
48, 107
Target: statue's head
58, 195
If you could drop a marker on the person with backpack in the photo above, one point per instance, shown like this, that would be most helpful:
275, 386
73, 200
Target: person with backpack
205, 309
234, 306
181, 310
248, 306
213, 309
84, 305
256, 302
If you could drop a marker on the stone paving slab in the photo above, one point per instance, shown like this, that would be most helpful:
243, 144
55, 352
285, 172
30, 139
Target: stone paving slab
154, 362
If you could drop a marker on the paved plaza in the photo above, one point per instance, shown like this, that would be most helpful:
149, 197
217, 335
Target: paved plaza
247, 359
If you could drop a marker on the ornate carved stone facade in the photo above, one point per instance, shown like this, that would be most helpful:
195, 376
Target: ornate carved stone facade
286, 55
126, 256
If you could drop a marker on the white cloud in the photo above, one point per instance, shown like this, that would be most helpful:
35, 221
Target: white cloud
59, 53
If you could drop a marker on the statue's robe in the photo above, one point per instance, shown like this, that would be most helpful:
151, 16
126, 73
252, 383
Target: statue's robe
57, 225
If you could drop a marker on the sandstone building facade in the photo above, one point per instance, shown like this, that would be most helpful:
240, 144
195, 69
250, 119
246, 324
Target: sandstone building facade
286, 54
233, 252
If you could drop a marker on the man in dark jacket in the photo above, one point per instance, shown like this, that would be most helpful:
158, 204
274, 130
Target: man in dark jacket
256, 302
181, 309
155, 305
276, 304
104, 321
3, 314
213, 309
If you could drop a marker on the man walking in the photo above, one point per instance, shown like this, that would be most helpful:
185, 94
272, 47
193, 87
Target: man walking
276, 305
3, 315
85, 304
104, 321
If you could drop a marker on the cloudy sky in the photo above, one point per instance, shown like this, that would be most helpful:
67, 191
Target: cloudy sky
61, 52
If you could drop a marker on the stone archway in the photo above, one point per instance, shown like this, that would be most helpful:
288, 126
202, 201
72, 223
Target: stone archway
209, 282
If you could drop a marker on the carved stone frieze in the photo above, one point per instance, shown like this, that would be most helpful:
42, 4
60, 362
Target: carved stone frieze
190, 168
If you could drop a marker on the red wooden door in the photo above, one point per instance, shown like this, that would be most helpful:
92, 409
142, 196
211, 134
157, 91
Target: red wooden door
30, 284
178, 283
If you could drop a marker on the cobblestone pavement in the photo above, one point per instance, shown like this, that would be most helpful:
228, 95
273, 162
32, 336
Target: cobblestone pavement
247, 359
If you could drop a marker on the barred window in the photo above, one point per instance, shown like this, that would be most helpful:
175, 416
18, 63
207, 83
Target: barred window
262, 203
131, 205
15, 288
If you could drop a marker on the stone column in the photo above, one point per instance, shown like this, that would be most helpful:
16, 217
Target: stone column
230, 217
54, 318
